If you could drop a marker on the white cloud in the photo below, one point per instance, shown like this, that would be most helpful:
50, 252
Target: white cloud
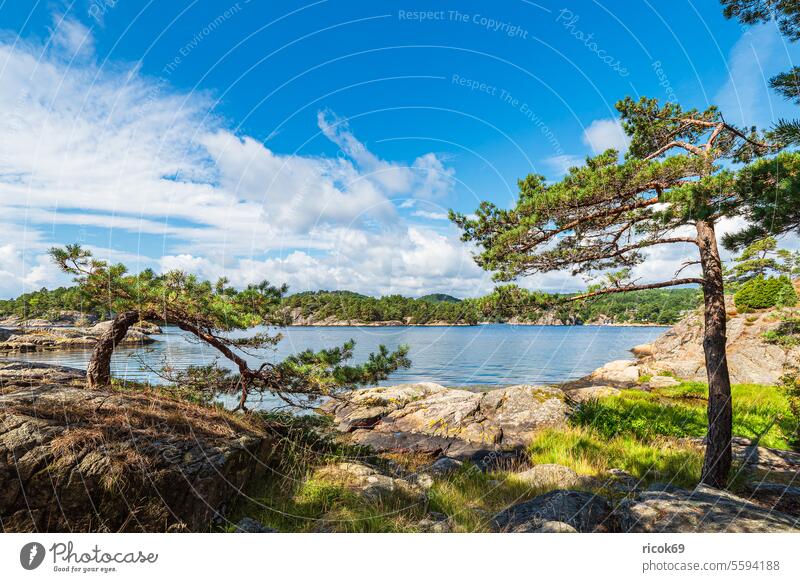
91, 148
603, 134
562, 163
426, 177
406, 259
746, 98
430, 215
71, 38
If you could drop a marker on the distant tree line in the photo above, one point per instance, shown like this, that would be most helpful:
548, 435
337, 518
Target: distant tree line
505, 303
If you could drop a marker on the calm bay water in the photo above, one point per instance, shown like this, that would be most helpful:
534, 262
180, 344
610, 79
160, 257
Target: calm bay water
484, 355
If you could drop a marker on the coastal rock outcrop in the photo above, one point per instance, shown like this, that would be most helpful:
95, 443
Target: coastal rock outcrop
619, 373
428, 417
751, 360
61, 319
78, 460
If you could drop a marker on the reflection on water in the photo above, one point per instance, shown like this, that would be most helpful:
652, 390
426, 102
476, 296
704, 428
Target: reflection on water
485, 355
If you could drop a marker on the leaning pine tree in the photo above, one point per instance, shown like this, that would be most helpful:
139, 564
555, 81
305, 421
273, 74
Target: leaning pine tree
602, 218
209, 312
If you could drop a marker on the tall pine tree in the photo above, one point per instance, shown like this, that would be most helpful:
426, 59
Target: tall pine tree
672, 188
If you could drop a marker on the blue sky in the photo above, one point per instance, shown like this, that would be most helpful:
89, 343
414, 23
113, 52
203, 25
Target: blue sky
321, 143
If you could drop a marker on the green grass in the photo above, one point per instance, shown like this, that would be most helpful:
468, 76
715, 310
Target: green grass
588, 452
319, 504
758, 412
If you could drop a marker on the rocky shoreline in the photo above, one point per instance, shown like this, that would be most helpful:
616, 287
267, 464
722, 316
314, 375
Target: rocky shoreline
49, 338
78, 460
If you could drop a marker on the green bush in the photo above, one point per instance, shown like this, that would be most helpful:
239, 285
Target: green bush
762, 293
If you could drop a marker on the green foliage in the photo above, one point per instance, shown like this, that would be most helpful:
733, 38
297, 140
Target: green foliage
786, 131
348, 306
763, 293
769, 195
656, 306
439, 298
602, 217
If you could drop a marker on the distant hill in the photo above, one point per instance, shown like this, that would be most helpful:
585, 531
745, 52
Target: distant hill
440, 298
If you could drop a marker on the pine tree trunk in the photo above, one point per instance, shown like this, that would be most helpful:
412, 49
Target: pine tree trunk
98, 372
717, 462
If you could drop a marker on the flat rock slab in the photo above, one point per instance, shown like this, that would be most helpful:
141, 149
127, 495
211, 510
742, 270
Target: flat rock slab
705, 510
430, 418
20, 373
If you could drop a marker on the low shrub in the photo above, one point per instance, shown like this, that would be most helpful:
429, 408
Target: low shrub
763, 293
787, 334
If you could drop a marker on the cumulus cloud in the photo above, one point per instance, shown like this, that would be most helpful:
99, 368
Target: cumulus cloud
603, 134
405, 259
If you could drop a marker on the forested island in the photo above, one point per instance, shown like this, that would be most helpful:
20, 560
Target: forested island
506, 304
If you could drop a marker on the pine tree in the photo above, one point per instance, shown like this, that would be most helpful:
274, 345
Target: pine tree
208, 311
670, 189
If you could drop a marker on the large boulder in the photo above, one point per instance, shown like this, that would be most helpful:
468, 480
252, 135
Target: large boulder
585, 512
672, 510
619, 373
430, 418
